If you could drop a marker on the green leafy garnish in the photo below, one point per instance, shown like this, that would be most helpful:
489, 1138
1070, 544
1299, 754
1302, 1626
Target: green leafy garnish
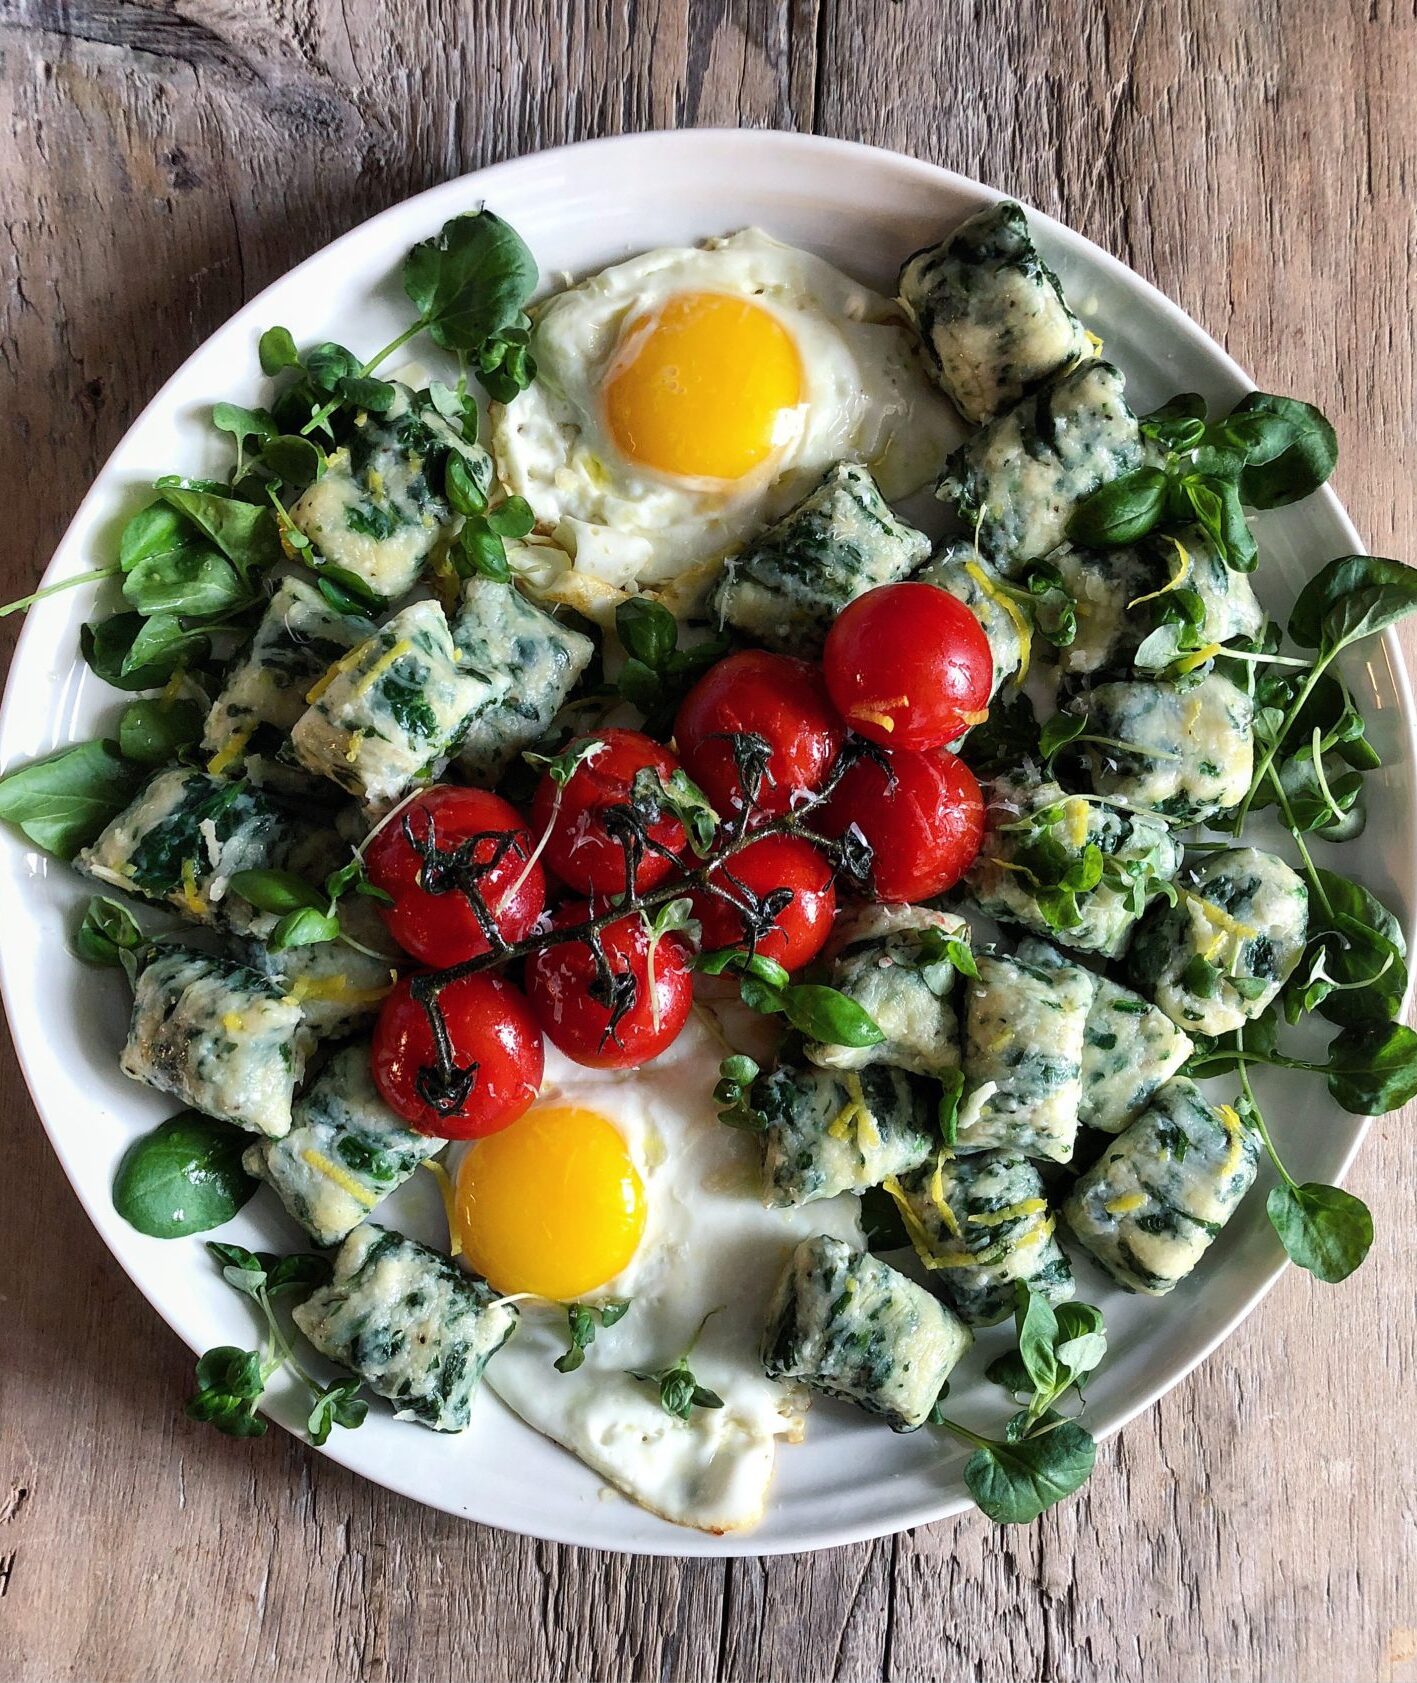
65, 802
183, 1177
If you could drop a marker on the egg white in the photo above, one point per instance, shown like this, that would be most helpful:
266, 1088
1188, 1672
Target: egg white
617, 525
709, 1245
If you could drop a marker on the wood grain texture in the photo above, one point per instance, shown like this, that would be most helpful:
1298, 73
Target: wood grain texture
164, 161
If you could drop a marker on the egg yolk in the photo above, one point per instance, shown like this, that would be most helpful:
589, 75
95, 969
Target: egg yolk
552, 1205
704, 386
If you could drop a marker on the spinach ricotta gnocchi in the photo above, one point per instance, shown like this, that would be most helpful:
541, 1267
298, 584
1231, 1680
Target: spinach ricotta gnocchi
1024, 1030
414, 1326
1016, 482
1185, 751
894, 962
1150, 1207
219, 1037
378, 510
1218, 957
981, 1224
393, 711
828, 1131
345, 1151
849, 1325
959, 569
787, 587
991, 314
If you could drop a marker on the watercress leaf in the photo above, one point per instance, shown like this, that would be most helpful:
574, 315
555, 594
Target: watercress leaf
245, 533
680, 795
465, 492
107, 931
1363, 942
766, 970
1009, 1371
480, 551
1120, 512
469, 283
277, 351
303, 1271
1037, 1334
1058, 732
647, 629
243, 424
350, 588
1008, 735
162, 644
1372, 1068
304, 928
294, 460
234, 1371
1284, 465
1015, 1482
194, 580
952, 1091
106, 645
337, 1405
360, 391
155, 530
328, 364
512, 518
581, 1325
1352, 597
614, 1309
1238, 545
1323, 1228
828, 1016
702, 1397
153, 733
562, 767
760, 996
62, 804
275, 891
183, 1177
236, 1256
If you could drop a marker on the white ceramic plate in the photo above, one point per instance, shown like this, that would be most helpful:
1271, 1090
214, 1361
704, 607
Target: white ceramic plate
580, 208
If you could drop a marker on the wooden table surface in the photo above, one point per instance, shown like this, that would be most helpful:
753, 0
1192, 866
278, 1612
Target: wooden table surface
162, 162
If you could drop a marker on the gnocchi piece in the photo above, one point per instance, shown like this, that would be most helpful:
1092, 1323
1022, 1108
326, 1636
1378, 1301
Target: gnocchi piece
1150, 1207
891, 960
980, 1224
186, 835
220, 1038
415, 1327
1218, 957
827, 1132
1016, 482
787, 587
1131, 1049
1023, 1040
1043, 845
345, 1152
506, 639
299, 636
390, 714
1186, 751
991, 314
975, 583
847, 1324
378, 510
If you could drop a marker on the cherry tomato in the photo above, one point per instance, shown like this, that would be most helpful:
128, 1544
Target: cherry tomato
799, 929
563, 981
432, 916
924, 819
780, 699
580, 849
490, 1026
909, 666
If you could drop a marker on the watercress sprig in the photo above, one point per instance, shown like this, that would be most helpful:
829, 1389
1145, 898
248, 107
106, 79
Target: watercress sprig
231, 1381
680, 1393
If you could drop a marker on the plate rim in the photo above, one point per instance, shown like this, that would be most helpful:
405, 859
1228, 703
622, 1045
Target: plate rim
788, 145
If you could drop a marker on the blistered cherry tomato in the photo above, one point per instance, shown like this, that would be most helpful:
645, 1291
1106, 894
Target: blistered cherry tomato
575, 1002
909, 666
771, 867
580, 849
445, 841
490, 1026
778, 698
924, 820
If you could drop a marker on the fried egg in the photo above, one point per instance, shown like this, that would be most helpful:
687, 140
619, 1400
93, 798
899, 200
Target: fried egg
690, 396
625, 1185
